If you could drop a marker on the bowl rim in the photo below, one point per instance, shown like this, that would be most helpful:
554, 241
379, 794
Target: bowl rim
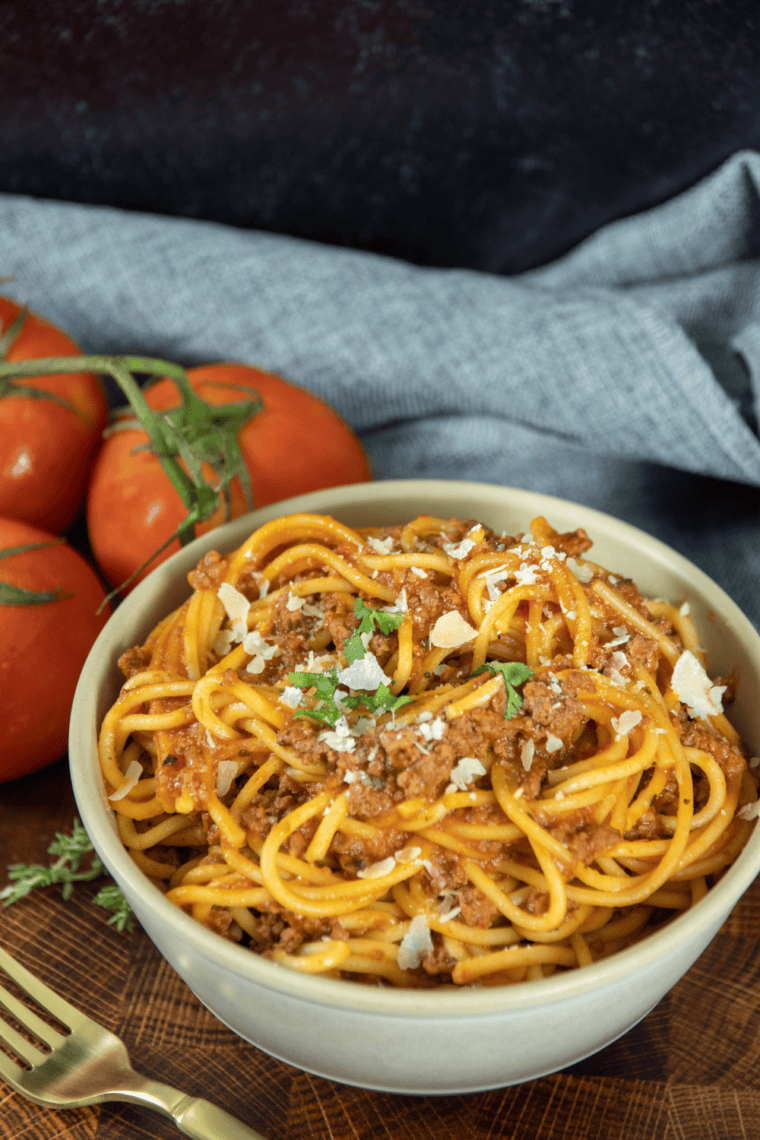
391, 1002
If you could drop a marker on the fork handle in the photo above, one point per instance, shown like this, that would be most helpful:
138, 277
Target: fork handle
202, 1120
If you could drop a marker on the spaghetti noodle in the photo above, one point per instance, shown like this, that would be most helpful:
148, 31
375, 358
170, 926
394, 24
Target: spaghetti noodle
426, 754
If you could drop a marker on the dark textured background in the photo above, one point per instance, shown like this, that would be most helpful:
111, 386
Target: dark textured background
493, 134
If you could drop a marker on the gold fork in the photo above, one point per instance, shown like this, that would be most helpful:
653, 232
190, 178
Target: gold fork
91, 1065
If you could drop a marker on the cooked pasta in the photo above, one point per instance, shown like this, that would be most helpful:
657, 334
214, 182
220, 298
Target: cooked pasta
426, 754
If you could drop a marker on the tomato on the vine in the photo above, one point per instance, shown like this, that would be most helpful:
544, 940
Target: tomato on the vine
50, 426
49, 598
294, 444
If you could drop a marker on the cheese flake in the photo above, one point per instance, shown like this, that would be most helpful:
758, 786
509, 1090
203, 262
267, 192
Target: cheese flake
291, 696
129, 779
432, 729
377, 870
226, 773
749, 811
527, 752
381, 545
415, 944
460, 549
553, 743
236, 605
366, 673
339, 738
626, 722
581, 571
223, 642
467, 769
695, 689
451, 631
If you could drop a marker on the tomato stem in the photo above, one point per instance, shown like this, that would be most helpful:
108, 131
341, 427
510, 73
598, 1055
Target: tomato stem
194, 431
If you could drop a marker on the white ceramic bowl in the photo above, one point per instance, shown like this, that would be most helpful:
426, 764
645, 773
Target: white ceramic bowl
425, 1041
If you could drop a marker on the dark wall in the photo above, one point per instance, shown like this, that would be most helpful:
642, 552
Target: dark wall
486, 133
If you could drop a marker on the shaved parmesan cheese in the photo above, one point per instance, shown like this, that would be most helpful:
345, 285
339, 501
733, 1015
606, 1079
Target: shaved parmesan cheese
446, 909
582, 572
226, 773
261, 650
749, 811
695, 689
377, 870
223, 642
315, 664
418, 571
291, 696
400, 606
365, 673
432, 729
130, 778
553, 743
352, 775
296, 603
263, 583
415, 944
465, 771
526, 575
685, 609
627, 721
255, 643
339, 738
451, 631
408, 854
236, 605
459, 550
527, 753
381, 545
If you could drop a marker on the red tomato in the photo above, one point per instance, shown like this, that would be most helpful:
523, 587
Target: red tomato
297, 443
46, 450
42, 647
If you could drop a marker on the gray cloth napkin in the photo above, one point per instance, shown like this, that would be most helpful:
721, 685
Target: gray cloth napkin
625, 376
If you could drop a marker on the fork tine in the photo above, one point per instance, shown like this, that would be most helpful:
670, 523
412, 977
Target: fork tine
24, 1016
39, 992
20, 1046
9, 1071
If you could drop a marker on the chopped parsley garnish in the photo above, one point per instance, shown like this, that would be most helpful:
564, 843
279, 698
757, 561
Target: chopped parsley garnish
514, 673
326, 685
70, 851
369, 620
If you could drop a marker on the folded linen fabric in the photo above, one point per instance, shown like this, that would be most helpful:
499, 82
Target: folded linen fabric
625, 375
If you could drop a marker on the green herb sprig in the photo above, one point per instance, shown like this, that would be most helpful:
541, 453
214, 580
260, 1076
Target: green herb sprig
514, 673
66, 871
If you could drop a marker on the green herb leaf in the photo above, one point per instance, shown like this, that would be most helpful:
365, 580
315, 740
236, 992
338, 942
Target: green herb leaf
369, 619
514, 673
326, 686
112, 898
382, 700
70, 851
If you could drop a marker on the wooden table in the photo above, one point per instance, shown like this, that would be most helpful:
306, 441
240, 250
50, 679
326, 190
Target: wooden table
689, 1071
